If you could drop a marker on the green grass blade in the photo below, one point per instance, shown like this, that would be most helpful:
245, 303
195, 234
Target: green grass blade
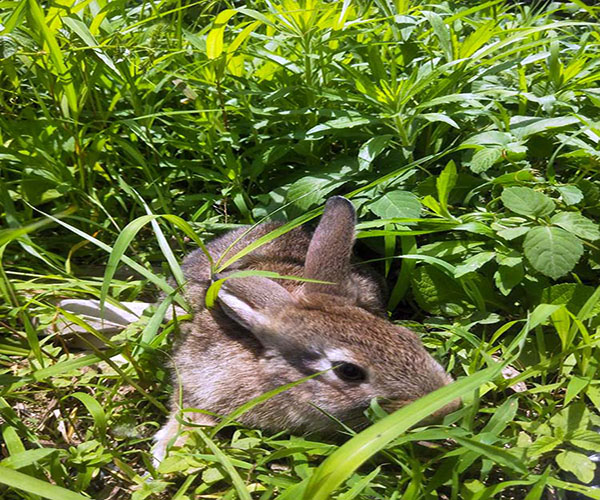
345, 460
95, 410
30, 484
64, 76
223, 459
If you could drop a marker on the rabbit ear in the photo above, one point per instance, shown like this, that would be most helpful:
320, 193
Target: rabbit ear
330, 249
245, 300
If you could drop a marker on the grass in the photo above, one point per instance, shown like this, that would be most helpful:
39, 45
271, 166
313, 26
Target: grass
465, 133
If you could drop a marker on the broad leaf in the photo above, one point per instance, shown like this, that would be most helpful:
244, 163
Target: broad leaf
526, 201
507, 277
552, 251
578, 464
484, 159
396, 205
573, 296
371, 150
577, 224
570, 194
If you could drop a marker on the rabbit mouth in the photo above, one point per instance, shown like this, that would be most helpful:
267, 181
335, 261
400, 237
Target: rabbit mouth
391, 405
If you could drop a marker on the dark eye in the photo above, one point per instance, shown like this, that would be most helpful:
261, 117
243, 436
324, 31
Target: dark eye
350, 372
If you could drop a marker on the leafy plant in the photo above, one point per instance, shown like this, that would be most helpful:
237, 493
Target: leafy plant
466, 134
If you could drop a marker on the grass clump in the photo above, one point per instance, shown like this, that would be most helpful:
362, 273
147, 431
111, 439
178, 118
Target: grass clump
467, 136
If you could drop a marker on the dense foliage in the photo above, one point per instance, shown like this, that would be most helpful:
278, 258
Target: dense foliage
467, 135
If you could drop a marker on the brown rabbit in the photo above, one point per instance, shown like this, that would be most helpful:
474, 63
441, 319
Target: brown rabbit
268, 333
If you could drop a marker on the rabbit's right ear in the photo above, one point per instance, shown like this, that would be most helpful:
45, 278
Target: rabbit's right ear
330, 249
245, 300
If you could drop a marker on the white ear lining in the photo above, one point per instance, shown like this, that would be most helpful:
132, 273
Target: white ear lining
242, 312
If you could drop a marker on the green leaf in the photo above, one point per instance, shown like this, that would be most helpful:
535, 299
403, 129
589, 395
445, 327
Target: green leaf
343, 122
95, 410
83, 32
570, 194
436, 293
573, 296
473, 263
36, 486
497, 455
63, 72
578, 464
27, 457
511, 233
588, 440
484, 159
311, 190
577, 224
574, 387
439, 117
238, 482
552, 251
397, 204
371, 150
442, 32
352, 454
214, 40
491, 138
570, 420
444, 184
577, 488
524, 126
542, 445
359, 486
526, 201
507, 277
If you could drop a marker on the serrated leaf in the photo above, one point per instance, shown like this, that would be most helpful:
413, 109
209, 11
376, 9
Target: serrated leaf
577, 224
586, 439
526, 201
542, 445
436, 293
397, 204
571, 420
371, 150
552, 251
484, 159
578, 464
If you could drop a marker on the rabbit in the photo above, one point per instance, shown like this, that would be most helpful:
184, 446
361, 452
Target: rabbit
265, 333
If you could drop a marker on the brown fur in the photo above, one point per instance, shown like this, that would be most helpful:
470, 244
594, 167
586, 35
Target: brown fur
267, 333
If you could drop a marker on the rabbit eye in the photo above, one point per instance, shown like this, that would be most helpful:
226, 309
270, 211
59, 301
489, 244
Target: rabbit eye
350, 372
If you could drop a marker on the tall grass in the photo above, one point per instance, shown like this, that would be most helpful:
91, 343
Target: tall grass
467, 136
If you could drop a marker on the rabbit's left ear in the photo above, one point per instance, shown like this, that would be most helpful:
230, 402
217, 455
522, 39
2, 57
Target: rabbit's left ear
246, 300
330, 249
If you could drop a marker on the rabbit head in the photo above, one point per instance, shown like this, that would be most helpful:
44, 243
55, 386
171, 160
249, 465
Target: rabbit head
325, 327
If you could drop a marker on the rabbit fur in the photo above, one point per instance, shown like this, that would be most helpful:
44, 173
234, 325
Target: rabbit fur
265, 333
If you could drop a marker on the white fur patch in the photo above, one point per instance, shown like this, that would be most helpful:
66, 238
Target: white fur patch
338, 354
